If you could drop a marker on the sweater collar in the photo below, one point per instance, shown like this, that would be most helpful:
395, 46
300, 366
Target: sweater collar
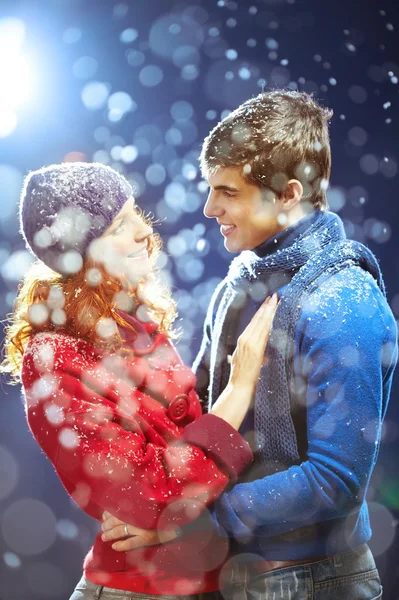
307, 239
287, 236
140, 338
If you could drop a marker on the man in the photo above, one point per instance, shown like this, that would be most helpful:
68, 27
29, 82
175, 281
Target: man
298, 520
321, 398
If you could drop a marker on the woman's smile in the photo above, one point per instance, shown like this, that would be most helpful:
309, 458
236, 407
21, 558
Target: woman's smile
143, 253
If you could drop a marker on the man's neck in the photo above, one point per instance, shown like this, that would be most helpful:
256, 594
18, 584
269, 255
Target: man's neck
296, 214
296, 227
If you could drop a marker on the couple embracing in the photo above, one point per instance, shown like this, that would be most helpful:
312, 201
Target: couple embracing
245, 477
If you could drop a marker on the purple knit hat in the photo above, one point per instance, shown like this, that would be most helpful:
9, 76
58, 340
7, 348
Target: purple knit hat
66, 206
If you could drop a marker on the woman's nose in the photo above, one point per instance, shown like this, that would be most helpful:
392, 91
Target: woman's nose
143, 233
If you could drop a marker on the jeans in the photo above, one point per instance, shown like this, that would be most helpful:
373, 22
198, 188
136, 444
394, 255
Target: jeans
85, 590
348, 576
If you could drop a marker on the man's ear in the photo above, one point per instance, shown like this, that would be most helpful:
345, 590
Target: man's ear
292, 195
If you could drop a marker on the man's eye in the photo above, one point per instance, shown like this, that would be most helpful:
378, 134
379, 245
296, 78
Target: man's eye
228, 194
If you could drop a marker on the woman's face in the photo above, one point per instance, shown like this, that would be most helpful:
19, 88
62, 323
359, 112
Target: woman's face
122, 248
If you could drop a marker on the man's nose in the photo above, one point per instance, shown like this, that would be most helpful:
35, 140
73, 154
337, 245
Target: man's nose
211, 208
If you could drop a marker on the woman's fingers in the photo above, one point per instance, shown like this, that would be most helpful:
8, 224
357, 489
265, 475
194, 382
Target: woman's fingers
259, 326
115, 530
110, 522
145, 538
266, 308
266, 311
249, 353
128, 544
265, 317
116, 533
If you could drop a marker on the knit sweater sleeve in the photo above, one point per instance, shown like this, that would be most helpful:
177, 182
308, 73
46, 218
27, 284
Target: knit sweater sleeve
346, 351
115, 448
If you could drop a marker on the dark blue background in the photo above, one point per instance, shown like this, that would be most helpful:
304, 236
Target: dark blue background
352, 38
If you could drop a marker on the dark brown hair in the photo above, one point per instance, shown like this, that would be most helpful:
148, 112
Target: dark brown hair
277, 136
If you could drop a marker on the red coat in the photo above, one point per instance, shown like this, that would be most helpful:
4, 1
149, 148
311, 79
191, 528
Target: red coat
126, 435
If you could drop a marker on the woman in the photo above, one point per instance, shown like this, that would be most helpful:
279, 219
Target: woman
107, 396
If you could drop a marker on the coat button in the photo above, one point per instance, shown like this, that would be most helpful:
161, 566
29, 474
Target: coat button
178, 408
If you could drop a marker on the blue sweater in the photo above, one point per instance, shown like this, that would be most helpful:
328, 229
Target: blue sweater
345, 353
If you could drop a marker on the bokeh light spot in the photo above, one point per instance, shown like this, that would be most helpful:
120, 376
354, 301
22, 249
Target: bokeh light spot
128, 35
94, 95
151, 75
29, 526
8, 473
85, 67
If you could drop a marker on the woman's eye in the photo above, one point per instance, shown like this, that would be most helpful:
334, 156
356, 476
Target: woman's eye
117, 230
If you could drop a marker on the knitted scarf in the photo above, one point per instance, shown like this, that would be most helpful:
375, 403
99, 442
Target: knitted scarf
317, 254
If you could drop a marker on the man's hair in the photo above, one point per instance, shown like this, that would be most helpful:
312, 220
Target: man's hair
277, 136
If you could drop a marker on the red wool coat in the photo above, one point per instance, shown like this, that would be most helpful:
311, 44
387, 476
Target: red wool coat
127, 435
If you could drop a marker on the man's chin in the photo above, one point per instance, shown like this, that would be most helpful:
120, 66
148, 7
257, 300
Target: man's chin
232, 248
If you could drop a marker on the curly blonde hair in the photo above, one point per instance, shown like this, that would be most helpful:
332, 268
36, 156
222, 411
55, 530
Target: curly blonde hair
83, 305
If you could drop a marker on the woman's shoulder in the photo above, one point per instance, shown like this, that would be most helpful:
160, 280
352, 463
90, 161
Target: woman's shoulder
49, 350
56, 340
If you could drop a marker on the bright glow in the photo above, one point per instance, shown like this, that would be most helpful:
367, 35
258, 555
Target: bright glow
8, 122
15, 77
15, 73
12, 34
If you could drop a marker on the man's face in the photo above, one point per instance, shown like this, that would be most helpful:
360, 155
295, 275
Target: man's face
245, 217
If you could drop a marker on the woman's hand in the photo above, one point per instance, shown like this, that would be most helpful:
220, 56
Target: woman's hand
231, 405
246, 362
131, 537
248, 356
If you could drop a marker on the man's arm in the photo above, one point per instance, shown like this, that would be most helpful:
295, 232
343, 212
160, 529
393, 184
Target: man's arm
346, 352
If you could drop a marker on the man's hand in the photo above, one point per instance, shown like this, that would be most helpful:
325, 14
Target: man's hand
131, 537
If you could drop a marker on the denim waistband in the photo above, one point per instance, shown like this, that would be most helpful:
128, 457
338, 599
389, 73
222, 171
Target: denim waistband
85, 589
357, 560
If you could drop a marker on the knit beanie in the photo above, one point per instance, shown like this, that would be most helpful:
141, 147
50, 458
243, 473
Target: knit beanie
65, 206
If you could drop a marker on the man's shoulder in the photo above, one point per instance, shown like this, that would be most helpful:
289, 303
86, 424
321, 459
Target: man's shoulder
349, 299
351, 284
